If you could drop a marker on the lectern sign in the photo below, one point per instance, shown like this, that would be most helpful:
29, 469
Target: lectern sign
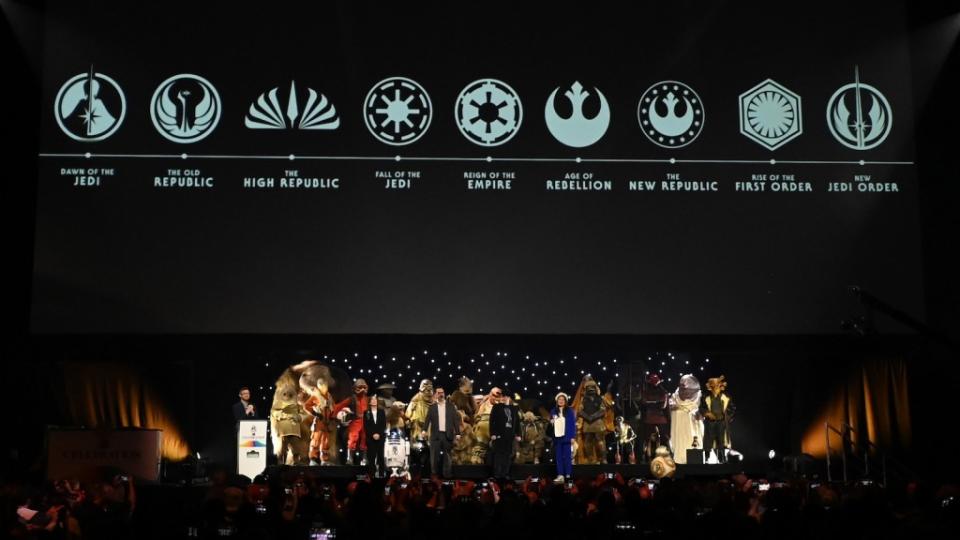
252, 447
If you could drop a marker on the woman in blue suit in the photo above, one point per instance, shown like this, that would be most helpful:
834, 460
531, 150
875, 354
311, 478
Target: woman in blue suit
564, 430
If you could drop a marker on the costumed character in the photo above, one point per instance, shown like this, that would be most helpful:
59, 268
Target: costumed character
625, 440
685, 423
320, 406
654, 406
300, 380
462, 452
385, 391
662, 465
591, 408
533, 433
717, 410
286, 419
417, 411
350, 414
319, 387
462, 397
481, 426
396, 419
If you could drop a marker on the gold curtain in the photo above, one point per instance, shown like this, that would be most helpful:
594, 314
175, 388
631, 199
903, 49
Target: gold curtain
114, 396
872, 398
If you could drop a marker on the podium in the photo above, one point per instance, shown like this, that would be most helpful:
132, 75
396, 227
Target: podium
251, 447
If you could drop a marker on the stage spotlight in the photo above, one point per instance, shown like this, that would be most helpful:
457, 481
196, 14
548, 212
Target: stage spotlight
772, 454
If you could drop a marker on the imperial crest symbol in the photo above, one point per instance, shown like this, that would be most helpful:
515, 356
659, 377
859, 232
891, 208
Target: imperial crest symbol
488, 112
671, 114
185, 108
577, 131
868, 123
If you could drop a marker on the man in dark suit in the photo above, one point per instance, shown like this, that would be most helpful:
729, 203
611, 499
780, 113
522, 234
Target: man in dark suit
244, 409
374, 426
443, 427
504, 435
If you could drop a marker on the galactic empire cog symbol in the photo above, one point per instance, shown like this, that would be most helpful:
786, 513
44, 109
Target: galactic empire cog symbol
770, 115
577, 130
90, 107
316, 114
397, 111
671, 114
871, 118
185, 108
488, 112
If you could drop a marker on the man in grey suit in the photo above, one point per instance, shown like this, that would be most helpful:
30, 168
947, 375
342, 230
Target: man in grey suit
443, 427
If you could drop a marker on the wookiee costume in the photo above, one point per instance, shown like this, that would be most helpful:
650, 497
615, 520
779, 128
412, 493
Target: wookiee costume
591, 411
462, 397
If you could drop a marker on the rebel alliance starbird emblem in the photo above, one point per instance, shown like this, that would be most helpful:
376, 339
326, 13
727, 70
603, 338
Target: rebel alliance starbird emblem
577, 131
859, 129
671, 114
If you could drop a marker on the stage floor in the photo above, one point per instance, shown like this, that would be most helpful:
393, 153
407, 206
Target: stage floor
548, 470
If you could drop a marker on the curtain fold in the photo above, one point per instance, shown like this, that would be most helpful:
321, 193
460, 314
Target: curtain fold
104, 396
873, 398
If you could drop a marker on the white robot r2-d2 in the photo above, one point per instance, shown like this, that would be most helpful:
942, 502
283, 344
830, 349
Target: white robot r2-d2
396, 450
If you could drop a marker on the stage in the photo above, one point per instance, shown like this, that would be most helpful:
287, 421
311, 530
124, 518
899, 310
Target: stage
547, 470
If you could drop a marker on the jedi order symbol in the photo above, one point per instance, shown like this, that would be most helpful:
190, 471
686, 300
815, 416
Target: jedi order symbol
397, 111
577, 130
869, 122
185, 108
671, 114
90, 107
488, 112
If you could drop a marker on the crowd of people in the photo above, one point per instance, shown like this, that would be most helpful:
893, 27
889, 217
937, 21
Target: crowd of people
292, 504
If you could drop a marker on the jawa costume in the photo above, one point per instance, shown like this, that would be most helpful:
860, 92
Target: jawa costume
350, 412
717, 410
